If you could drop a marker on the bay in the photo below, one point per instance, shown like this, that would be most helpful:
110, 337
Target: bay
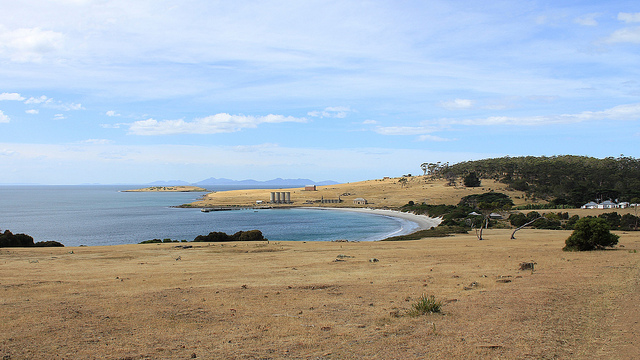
104, 215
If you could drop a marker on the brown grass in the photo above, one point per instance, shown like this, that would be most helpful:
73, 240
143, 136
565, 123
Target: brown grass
292, 300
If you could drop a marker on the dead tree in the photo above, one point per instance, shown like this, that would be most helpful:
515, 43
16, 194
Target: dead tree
527, 224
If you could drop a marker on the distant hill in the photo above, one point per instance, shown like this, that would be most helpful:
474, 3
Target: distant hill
565, 179
274, 182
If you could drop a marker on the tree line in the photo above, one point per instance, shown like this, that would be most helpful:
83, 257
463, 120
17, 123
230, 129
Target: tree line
561, 180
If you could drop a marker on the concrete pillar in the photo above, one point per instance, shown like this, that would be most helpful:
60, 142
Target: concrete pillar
288, 197
272, 197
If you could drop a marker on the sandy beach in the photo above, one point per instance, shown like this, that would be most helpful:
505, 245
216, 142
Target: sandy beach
422, 222
323, 300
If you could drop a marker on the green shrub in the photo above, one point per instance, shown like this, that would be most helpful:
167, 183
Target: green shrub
49, 243
590, 234
425, 305
217, 236
152, 241
251, 235
8, 239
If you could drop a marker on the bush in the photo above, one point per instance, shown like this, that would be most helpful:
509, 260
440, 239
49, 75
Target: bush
152, 241
425, 305
8, 239
590, 234
49, 243
251, 235
216, 236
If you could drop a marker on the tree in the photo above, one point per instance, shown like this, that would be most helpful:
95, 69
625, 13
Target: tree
471, 180
635, 201
590, 234
402, 182
519, 219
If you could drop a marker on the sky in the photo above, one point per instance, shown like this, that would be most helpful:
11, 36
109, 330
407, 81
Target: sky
140, 91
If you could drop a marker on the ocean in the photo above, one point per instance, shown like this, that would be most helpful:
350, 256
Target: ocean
104, 215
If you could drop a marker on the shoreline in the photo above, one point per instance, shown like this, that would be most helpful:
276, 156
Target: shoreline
423, 222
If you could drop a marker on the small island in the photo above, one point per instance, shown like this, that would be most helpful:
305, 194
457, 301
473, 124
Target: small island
180, 188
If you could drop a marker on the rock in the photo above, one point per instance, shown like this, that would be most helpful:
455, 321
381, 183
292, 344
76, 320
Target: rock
373, 260
471, 286
527, 265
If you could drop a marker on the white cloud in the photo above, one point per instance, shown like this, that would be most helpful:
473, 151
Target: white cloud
403, 130
432, 138
369, 122
587, 20
32, 111
59, 117
457, 104
29, 44
331, 112
3, 118
50, 103
112, 113
629, 17
214, 124
69, 107
38, 100
97, 141
626, 35
11, 96
621, 112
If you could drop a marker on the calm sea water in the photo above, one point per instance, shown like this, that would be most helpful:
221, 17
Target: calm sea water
103, 215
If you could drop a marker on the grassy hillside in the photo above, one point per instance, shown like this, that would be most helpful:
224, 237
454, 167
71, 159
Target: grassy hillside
389, 192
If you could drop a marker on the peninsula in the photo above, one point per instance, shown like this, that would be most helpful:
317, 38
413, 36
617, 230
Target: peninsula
386, 193
180, 188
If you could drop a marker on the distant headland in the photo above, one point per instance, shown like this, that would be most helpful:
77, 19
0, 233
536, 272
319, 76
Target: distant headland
179, 188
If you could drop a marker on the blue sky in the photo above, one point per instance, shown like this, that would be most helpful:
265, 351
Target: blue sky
138, 91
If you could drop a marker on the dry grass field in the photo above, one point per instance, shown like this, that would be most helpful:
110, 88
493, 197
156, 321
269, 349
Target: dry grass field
382, 193
293, 300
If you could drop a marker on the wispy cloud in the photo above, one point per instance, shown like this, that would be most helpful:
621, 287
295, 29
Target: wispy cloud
621, 112
59, 117
457, 104
587, 20
628, 34
629, 17
331, 112
4, 118
214, 124
423, 133
96, 142
432, 138
403, 130
112, 113
11, 96
39, 100
52, 104
32, 111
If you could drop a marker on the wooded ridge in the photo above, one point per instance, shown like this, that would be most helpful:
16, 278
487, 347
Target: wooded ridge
562, 180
